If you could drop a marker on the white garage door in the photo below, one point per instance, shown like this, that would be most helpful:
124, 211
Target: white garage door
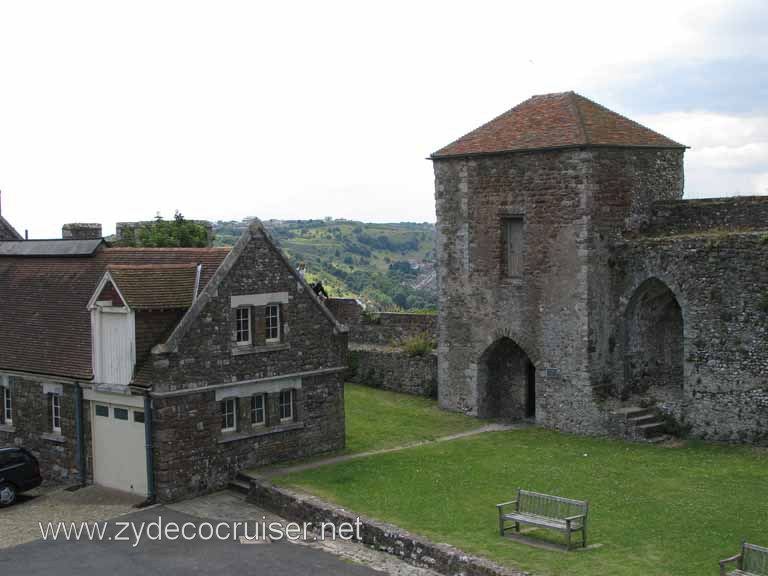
119, 455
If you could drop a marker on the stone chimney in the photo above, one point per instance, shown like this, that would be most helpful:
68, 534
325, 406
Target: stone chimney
79, 231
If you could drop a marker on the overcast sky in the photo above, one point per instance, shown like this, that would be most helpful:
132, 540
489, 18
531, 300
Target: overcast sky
114, 111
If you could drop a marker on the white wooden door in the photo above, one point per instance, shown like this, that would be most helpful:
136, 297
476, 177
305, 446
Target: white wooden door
119, 454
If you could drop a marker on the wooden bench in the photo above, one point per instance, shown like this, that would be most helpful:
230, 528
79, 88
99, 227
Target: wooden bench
545, 511
753, 561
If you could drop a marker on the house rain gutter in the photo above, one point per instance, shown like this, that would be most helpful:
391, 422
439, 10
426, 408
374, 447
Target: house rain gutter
149, 449
80, 431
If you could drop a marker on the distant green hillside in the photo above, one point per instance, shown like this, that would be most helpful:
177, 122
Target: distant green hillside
387, 266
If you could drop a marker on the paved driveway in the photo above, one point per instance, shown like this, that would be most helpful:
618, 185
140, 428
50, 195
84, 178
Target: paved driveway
91, 558
19, 523
166, 557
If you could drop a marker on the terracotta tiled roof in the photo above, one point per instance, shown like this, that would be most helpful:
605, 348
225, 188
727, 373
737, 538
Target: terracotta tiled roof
559, 120
45, 326
155, 286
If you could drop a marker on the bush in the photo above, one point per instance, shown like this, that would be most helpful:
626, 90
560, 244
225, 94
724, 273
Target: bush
419, 345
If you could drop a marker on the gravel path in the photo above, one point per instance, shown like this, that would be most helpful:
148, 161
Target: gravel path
283, 471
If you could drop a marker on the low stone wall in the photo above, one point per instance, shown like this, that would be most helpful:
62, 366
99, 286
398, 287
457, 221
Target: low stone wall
697, 215
416, 550
392, 369
380, 328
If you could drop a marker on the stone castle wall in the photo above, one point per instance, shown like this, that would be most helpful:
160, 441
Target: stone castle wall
376, 359
543, 310
392, 369
720, 281
698, 215
380, 328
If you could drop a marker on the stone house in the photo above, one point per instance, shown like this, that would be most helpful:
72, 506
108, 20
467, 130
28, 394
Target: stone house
164, 371
578, 289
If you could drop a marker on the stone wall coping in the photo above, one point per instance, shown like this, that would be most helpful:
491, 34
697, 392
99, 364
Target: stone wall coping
411, 548
244, 350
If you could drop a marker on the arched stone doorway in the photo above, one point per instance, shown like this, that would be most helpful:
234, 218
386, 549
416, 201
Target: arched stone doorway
506, 382
654, 345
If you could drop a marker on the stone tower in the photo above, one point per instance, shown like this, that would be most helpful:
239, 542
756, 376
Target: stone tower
527, 207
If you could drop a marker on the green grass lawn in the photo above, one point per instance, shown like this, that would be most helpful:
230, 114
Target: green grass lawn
378, 419
655, 510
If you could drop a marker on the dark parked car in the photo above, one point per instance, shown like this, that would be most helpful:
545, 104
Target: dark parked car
19, 471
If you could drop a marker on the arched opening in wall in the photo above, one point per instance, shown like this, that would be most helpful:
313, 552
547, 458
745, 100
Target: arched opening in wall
654, 349
506, 386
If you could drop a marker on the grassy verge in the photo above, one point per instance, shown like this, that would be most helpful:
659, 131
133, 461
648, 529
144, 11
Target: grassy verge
654, 510
378, 419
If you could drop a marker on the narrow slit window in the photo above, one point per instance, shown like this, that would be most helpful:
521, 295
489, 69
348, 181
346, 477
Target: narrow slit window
512, 234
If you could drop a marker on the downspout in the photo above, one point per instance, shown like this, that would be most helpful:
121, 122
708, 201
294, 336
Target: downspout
80, 431
149, 449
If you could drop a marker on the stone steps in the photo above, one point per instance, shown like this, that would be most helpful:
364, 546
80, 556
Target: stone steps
240, 484
644, 422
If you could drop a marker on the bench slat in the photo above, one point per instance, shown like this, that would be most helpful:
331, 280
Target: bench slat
539, 521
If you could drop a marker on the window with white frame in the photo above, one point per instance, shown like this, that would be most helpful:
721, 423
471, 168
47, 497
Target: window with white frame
56, 413
243, 325
229, 415
272, 321
7, 406
286, 405
257, 410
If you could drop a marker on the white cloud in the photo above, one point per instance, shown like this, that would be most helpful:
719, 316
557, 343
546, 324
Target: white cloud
728, 155
295, 110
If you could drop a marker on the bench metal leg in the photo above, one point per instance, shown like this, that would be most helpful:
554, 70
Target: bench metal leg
517, 526
568, 537
584, 536
501, 526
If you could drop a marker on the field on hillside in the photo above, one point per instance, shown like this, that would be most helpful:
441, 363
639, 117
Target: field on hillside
387, 266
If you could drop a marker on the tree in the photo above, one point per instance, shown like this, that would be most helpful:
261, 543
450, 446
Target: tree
176, 233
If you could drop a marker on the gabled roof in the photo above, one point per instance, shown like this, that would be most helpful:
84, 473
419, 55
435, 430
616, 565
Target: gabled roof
562, 120
8, 232
255, 228
45, 326
47, 248
155, 286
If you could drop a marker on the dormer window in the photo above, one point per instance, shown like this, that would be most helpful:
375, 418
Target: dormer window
243, 325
